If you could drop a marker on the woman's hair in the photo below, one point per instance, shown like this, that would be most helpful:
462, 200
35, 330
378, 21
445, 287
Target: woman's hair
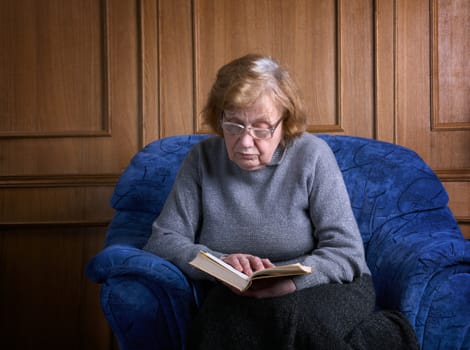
240, 83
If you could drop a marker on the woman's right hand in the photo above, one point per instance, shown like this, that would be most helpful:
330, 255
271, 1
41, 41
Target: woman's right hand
247, 263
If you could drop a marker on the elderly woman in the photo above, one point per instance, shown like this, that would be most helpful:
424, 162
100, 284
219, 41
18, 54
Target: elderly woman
261, 193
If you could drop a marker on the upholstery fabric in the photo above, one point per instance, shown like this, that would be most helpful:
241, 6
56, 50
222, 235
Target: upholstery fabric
419, 261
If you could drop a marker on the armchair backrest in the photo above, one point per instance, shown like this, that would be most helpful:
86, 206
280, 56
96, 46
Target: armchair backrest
143, 187
385, 181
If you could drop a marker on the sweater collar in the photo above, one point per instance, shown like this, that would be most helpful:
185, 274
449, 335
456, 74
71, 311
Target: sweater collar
278, 155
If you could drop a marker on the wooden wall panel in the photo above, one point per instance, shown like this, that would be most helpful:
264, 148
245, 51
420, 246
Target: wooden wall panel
46, 301
330, 60
149, 70
229, 29
67, 204
176, 67
450, 45
43, 85
357, 68
81, 121
385, 71
72, 96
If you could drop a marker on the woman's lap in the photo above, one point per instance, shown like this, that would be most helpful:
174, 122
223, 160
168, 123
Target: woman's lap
339, 307
321, 317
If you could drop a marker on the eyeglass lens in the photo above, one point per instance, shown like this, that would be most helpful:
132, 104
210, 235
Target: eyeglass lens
237, 129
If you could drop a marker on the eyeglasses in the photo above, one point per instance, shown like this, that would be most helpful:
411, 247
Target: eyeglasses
256, 133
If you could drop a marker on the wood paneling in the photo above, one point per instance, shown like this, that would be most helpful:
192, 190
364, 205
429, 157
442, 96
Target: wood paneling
57, 204
385, 71
149, 69
357, 69
44, 84
176, 67
72, 93
71, 117
330, 61
450, 45
46, 301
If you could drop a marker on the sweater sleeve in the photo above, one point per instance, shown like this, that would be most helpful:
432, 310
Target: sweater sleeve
174, 231
339, 253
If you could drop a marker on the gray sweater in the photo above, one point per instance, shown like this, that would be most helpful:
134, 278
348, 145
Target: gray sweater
296, 209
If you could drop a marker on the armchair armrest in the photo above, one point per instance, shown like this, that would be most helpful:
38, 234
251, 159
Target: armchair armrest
123, 259
147, 300
421, 265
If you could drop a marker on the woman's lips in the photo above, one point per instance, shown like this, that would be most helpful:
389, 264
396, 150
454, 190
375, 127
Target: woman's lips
248, 155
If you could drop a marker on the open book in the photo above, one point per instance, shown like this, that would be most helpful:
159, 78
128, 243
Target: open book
224, 272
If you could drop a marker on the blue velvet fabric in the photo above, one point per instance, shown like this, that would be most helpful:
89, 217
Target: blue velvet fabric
419, 260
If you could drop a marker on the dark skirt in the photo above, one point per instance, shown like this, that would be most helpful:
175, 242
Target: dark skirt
329, 316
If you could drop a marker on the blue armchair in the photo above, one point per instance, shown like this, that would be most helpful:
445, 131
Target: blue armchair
419, 260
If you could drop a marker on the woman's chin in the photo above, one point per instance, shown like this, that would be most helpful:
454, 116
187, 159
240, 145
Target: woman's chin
249, 164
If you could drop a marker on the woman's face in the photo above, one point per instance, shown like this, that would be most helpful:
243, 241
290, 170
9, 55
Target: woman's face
245, 150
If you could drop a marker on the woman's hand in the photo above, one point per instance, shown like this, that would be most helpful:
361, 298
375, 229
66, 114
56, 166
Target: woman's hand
263, 288
247, 263
268, 288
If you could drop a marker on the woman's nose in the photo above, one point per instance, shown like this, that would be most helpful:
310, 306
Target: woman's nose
246, 139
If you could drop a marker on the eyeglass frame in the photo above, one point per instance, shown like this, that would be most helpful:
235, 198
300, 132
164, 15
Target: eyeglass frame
250, 128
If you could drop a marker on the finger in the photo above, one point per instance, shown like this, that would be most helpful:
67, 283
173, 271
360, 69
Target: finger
255, 263
245, 262
267, 263
233, 260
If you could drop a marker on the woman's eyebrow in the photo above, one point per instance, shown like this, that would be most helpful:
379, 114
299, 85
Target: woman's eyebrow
258, 119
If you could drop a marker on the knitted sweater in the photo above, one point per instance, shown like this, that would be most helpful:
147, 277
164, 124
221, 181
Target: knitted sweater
296, 209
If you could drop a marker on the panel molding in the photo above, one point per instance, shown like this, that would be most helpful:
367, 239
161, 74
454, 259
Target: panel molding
15, 225
149, 80
336, 127
50, 200
464, 224
453, 175
56, 181
106, 132
436, 123
106, 122
385, 36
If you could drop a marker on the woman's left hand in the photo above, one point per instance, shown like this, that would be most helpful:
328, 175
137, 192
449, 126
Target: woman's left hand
268, 288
